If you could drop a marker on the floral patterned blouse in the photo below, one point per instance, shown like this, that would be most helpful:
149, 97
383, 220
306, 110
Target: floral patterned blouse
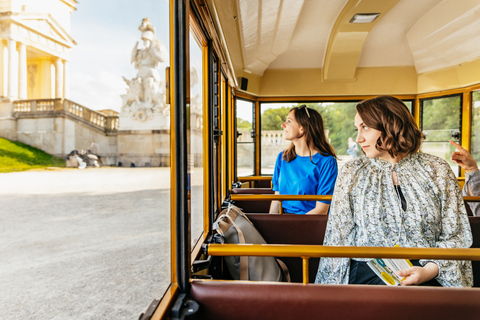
366, 211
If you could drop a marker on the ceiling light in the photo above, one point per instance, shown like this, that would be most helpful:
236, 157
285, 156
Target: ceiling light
364, 17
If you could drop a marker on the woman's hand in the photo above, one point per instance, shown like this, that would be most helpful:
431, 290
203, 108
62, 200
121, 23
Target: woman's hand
463, 158
418, 275
274, 205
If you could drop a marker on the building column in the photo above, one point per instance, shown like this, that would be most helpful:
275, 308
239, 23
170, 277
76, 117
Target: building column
3, 70
12, 69
22, 72
58, 78
66, 80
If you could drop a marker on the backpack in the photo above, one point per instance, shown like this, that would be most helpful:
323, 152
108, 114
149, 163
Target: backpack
232, 226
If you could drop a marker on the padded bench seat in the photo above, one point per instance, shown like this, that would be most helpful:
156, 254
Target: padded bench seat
262, 300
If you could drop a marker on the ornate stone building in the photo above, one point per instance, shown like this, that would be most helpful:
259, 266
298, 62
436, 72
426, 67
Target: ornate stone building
35, 47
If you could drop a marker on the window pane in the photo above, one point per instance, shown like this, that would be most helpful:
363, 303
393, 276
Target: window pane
338, 118
272, 141
475, 143
245, 141
440, 123
195, 142
92, 243
409, 104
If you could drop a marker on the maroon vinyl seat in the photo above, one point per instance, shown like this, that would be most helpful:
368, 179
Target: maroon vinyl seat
271, 301
249, 206
293, 229
468, 209
475, 225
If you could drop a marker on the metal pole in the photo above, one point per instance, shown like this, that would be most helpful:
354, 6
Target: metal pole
180, 93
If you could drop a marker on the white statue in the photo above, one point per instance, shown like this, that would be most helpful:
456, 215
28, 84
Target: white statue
146, 92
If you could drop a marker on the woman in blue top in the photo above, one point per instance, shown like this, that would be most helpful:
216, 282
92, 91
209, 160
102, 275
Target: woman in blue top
308, 166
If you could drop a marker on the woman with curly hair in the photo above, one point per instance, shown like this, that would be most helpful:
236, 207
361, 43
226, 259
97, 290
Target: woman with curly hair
395, 195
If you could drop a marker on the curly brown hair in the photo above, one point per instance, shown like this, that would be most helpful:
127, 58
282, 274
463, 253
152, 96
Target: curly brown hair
390, 116
312, 123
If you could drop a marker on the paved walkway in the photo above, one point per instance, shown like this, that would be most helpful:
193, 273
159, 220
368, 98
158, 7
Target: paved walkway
83, 244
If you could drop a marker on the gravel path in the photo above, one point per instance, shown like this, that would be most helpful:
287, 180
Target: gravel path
83, 244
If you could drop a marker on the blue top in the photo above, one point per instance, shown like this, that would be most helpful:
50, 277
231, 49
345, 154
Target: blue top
301, 176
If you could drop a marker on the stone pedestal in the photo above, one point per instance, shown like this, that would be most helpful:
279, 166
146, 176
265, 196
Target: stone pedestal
143, 148
158, 122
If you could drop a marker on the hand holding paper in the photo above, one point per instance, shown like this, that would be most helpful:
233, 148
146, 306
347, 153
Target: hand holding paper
418, 275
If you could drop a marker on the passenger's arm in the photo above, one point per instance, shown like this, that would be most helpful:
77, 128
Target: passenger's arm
452, 229
320, 208
472, 175
274, 205
463, 158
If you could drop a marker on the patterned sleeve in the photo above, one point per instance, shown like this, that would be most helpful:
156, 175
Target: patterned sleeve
473, 182
340, 230
454, 231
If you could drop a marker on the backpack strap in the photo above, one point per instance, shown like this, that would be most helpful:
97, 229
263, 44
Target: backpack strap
284, 268
243, 259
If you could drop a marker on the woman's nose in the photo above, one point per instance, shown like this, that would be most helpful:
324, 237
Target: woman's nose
283, 125
359, 137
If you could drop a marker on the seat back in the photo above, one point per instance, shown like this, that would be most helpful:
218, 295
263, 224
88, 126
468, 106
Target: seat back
475, 225
268, 301
293, 229
249, 206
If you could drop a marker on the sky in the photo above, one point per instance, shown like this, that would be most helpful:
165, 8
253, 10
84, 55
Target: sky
106, 32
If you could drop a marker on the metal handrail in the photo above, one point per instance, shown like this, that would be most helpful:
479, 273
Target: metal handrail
254, 178
262, 178
283, 197
316, 251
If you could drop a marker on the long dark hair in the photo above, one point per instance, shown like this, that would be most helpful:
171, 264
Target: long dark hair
390, 116
312, 123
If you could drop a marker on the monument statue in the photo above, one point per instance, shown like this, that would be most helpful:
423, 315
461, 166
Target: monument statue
146, 93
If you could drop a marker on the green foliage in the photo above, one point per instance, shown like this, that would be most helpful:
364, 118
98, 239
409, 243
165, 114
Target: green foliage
244, 124
272, 119
16, 156
441, 114
338, 119
475, 144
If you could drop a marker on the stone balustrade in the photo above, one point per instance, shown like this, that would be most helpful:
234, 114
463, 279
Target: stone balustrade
37, 107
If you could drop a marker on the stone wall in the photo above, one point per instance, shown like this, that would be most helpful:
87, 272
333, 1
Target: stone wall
147, 148
58, 126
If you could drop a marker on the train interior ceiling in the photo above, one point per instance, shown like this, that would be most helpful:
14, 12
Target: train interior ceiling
311, 51
330, 48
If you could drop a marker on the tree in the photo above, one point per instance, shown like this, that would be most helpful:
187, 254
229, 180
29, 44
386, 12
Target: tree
441, 114
273, 118
475, 143
338, 118
244, 124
